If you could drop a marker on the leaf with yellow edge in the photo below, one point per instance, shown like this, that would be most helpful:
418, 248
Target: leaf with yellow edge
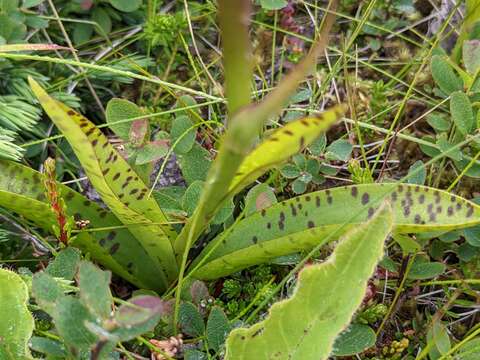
116, 182
305, 326
282, 144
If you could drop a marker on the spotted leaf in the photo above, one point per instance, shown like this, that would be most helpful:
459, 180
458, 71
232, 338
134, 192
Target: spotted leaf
305, 221
116, 182
22, 191
328, 294
282, 144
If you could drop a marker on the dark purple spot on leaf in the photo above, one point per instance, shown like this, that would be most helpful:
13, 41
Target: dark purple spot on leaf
365, 198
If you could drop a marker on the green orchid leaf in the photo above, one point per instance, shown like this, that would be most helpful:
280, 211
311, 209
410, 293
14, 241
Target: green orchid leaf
275, 149
16, 322
22, 191
305, 221
281, 145
328, 294
116, 182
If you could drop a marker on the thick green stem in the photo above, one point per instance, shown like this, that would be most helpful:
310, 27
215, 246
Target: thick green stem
237, 56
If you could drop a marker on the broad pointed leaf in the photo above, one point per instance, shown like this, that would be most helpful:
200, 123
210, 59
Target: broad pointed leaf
118, 185
282, 144
328, 294
306, 221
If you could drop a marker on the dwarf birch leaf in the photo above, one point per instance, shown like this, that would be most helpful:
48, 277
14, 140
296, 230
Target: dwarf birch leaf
117, 114
439, 340
140, 315
273, 4
422, 270
446, 147
217, 329
420, 175
151, 151
65, 264
355, 339
16, 322
437, 122
259, 197
95, 289
190, 320
282, 144
306, 221
183, 132
126, 5
70, 316
46, 291
194, 164
49, 347
311, 332
339, 150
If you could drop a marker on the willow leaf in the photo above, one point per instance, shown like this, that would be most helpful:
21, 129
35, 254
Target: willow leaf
282, 144
116, 182
16, 322
22, 191
305, 221
327, 294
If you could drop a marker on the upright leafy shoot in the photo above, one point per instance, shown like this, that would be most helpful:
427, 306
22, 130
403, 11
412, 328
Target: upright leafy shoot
327, 294
244, 126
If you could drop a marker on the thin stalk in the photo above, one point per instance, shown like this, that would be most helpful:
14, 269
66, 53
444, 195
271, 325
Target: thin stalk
237, 56
107, 69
